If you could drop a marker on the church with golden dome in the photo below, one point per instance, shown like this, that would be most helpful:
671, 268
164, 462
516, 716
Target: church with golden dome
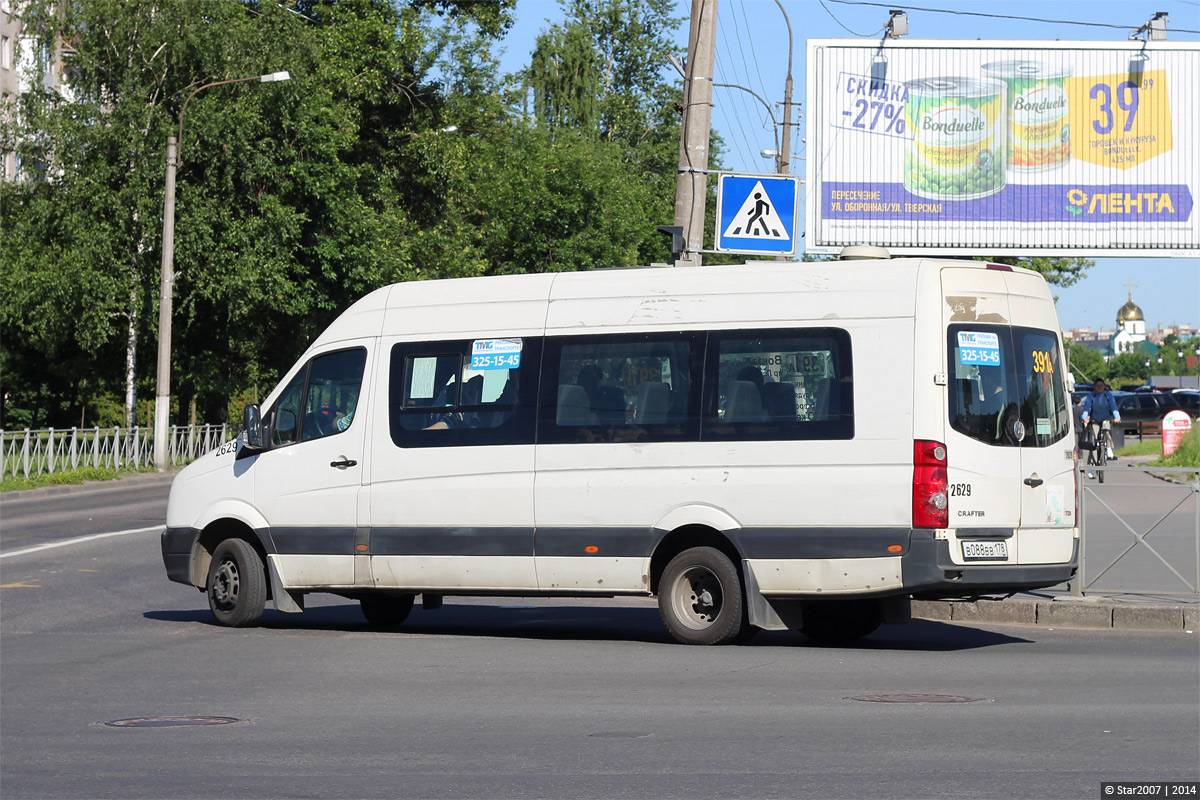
1131, 328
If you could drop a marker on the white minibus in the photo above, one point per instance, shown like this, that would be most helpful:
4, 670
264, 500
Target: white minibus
770, 445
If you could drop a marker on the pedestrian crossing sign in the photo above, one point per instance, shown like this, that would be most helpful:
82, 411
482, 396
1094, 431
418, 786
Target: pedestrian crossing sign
757, 213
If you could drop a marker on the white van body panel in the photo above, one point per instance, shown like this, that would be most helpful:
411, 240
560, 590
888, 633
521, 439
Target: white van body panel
212, 488
1050, 504
786, 577
468, 308
729, 296
463, 573
985, 470
454, 491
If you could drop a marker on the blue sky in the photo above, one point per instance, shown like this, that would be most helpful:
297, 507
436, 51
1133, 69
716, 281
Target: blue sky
752, 45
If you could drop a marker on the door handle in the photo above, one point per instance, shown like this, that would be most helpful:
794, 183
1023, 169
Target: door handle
1033, 483
351, 463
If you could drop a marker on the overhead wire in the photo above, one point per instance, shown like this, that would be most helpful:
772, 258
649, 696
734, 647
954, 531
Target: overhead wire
736, 79
839, 22
753, 51
753, 111
989, 15
762, 84
741, 101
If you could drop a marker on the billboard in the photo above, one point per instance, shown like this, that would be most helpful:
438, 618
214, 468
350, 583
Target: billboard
1013, 148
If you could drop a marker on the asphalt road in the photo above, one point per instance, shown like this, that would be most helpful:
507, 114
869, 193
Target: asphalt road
37, 518
547, 699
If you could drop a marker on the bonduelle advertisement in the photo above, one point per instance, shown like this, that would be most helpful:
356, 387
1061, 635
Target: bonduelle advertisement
1013, 148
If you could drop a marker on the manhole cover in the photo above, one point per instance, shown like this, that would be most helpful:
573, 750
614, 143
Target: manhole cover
169, 722
915, 698
619, 735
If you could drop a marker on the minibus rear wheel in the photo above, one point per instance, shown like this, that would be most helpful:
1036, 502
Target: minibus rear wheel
700, 598
386, 610
237, 584
837, 621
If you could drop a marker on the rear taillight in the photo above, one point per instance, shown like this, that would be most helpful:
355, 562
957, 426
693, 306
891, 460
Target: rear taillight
930, 500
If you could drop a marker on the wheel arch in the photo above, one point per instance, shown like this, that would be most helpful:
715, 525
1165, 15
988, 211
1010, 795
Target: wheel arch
685, 538
211, 537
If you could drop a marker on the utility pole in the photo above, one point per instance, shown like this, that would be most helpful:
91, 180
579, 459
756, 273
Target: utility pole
691, 186
786, 145
166, 292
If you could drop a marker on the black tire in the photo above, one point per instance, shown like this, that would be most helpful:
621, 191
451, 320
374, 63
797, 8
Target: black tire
386, 610
838, 621
700, 598
237, 584
1101, 454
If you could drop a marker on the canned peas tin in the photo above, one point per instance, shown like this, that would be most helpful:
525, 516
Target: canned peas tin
957, 149
1039, 136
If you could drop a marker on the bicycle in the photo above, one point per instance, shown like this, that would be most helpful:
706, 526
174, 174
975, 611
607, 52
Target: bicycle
1098, 456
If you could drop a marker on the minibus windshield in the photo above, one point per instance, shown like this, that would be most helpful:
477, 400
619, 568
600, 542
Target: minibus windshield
1001, 376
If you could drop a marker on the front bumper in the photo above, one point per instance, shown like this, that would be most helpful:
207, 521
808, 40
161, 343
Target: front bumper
177, 545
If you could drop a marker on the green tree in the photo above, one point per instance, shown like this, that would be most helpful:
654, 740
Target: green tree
293, 199
1086, 364
1127, 368
602, 75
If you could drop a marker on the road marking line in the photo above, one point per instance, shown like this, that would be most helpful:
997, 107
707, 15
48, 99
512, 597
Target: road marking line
20, 585
78, 540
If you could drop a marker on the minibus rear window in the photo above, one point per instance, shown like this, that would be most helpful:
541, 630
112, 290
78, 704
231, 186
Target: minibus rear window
1001, 376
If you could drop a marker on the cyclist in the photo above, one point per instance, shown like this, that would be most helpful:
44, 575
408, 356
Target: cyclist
1100, 411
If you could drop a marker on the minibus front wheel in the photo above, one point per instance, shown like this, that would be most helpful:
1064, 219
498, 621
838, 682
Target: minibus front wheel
237, 584
700, 598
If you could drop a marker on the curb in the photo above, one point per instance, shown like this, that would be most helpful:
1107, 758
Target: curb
89, 487
1062, 614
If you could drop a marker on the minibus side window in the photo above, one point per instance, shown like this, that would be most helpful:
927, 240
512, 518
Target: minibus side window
621, 388
779, 384
320, 400
438, 399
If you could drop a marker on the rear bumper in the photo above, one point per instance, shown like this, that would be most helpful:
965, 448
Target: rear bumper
926, 569
930, 573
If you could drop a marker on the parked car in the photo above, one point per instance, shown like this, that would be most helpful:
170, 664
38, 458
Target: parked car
1138, 407
1189, 400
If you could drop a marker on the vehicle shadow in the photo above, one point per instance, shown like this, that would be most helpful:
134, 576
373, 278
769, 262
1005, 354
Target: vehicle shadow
589, 623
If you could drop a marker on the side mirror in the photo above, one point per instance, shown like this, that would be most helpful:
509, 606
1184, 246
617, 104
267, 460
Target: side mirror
252, 425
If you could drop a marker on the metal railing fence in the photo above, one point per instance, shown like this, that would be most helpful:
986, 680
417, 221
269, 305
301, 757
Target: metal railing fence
35, 452
1178, 517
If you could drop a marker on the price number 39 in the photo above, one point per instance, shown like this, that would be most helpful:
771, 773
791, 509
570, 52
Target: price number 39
1126, 95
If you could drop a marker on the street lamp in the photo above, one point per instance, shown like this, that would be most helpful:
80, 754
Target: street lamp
1182, 363
162, 400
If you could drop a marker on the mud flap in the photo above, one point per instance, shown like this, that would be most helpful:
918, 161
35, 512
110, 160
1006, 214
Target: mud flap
285, 601
767, 614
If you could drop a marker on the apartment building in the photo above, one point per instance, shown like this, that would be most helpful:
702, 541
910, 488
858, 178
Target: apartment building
22, 59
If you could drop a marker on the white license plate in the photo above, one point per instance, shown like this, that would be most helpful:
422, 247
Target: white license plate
985, 550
